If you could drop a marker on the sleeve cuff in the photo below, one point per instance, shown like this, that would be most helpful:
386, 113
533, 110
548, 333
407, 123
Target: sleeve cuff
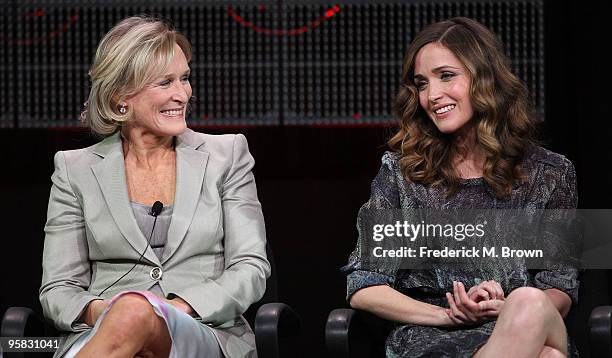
359, 279
75, 325
565, 280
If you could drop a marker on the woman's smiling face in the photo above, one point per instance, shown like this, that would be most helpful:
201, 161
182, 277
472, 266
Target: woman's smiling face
161, 106
443, 83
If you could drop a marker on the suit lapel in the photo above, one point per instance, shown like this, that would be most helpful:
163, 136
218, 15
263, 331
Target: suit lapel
190, 168
110, 174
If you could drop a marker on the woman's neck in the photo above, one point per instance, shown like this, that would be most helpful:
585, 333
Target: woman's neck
145, 149
470, 158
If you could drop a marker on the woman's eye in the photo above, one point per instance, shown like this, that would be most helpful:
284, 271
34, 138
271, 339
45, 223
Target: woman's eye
186, 78
447, 75
164, 83
421, 85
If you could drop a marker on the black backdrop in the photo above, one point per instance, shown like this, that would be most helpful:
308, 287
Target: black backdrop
254, 62
311, 181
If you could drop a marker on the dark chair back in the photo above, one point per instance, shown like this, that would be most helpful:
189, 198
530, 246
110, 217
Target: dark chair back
594, 292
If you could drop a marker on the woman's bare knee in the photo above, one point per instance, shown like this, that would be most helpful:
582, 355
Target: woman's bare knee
550, 352
529, 316
133, 310
130, 321
528, 307
528, 296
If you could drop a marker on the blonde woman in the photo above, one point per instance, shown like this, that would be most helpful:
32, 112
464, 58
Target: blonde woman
465, 141
125, 276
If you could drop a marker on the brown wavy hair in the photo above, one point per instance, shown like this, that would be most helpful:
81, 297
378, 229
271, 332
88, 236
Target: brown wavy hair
502, 125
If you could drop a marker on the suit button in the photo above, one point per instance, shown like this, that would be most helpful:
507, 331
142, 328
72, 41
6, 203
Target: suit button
156, 273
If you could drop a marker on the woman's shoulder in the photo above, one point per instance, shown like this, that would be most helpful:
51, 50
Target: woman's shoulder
83, 156
213, 142
391, 160
190, 134
537, 156
390, 169
552, 179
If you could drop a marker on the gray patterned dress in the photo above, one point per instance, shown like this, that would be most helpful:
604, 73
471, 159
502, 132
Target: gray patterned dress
551, 184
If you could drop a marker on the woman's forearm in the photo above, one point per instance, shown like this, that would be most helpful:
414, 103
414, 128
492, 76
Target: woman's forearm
390, 304
93, 310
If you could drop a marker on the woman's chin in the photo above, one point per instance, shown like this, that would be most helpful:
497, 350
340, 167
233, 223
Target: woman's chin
447, 129
450, 126
172, 128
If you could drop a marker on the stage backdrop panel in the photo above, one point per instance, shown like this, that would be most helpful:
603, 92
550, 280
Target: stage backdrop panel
255, 63
8, 86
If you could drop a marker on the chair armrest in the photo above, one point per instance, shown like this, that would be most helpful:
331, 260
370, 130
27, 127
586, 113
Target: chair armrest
273, 322
600, 326
17, 319
337, 330
355, 333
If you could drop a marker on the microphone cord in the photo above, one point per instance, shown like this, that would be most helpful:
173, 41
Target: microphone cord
155, 212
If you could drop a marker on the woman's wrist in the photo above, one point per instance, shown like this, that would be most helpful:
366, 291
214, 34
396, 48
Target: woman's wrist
93, 310
432, 315
444, 318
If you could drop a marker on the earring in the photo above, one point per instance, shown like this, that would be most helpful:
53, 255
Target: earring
122, 109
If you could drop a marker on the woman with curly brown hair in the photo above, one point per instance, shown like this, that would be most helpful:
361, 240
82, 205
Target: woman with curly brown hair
466, 142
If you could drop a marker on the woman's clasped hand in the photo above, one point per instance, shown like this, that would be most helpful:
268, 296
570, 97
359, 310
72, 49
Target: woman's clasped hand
480, 303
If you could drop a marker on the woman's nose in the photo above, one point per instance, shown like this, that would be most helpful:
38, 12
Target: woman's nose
180, 94
434, 95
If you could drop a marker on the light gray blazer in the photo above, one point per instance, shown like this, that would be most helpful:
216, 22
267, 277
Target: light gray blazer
215, 258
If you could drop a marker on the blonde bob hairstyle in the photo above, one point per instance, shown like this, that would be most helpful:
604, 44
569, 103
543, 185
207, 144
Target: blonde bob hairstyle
503, 128
131, 55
